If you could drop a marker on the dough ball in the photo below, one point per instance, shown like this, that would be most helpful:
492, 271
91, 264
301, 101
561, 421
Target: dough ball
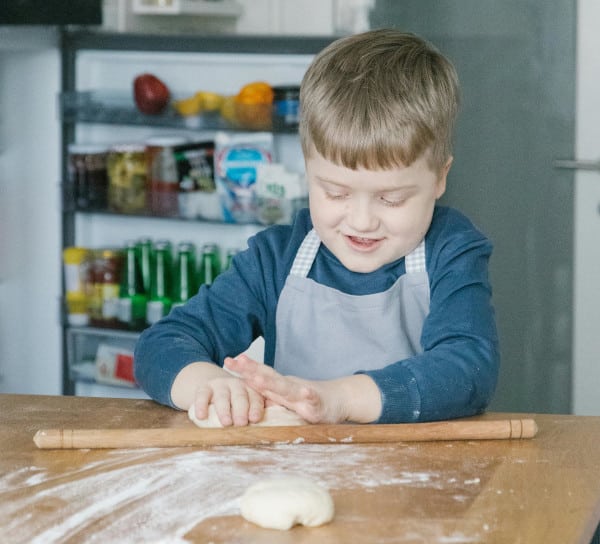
284, 502
275, 416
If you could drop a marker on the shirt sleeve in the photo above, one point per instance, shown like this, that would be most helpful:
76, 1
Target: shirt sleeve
456, 374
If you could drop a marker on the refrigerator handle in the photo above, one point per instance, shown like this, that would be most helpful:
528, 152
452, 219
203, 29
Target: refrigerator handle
593, 166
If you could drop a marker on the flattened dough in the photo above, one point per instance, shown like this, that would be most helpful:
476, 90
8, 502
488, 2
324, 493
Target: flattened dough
275, 416
284, 502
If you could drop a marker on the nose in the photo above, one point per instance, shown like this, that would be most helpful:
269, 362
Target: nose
360, 215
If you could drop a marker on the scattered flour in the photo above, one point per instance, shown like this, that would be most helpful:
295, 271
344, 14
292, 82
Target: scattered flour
151, 495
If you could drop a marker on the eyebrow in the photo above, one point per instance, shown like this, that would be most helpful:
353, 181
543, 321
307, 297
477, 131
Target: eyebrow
403, 188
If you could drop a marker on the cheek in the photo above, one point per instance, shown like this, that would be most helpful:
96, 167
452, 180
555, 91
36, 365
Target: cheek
408, 219
322, 208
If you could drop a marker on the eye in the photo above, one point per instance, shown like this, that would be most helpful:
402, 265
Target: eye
392, 200
335, 195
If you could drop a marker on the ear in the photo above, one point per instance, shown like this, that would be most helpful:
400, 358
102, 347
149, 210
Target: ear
441, 182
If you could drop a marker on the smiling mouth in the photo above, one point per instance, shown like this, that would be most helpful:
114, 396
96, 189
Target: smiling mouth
363, 243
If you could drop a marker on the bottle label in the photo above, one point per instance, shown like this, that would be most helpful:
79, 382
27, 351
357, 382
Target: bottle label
110, 300
124, 311
154, 311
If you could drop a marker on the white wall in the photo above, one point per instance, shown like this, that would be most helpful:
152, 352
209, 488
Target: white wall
30, 353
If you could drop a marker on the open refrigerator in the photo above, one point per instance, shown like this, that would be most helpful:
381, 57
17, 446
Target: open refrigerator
97, 108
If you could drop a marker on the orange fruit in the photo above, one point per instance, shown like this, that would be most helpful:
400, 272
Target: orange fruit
257, 92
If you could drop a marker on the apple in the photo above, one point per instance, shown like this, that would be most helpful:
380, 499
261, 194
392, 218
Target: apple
151, 95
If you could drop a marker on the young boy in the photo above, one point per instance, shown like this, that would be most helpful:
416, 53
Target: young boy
375, 304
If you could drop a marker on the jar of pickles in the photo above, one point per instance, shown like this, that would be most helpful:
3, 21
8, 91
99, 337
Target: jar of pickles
127, 176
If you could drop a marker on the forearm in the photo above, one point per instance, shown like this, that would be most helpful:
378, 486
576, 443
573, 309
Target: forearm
358, 396
448, 382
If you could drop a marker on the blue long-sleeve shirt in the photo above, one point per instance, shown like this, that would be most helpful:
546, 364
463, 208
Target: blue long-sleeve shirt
456, 374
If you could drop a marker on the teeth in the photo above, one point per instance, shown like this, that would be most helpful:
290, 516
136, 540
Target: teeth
362, 241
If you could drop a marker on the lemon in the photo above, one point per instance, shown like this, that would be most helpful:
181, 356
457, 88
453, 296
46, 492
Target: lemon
227, 109
210, 101
188, 106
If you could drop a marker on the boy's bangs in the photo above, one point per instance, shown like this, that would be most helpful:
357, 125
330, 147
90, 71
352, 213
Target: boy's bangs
368, 141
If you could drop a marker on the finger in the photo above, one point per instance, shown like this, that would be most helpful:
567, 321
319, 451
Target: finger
221, 400
242, 366
227, 367
276, 387
256, 409
201, 401
239, 407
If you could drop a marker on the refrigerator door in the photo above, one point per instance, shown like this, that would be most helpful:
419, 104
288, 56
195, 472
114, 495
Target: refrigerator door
516, 63
586, 339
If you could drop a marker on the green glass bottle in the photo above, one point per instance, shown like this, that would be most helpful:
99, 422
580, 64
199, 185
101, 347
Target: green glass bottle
185, 285
160, 301
231, 253
210, 264
131, 312
144, 249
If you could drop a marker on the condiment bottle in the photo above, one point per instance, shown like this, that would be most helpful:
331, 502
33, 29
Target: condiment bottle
163, 178
104, 282
75, 261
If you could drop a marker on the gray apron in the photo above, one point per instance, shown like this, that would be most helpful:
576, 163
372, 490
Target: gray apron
324, 334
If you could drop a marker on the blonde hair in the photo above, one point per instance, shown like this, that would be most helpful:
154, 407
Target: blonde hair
379, 100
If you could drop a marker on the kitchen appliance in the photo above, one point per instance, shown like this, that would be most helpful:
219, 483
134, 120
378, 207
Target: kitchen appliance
51, 12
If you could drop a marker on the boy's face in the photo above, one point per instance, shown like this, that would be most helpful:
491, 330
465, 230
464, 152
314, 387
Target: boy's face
369, 218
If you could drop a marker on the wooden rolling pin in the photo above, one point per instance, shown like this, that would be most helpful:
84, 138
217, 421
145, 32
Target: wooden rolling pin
307, 434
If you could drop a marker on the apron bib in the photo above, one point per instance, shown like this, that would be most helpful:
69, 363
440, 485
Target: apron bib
324, 334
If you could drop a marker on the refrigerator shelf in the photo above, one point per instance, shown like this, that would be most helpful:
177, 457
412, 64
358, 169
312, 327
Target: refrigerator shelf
118, 108
197, 219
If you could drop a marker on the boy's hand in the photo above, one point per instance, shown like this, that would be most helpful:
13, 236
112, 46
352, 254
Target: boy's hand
206, 383
354, 398
234, 402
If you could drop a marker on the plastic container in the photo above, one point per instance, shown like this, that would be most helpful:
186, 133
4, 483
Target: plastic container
75, 262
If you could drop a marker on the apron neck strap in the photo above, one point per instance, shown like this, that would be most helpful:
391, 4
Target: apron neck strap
414, 261
306, 254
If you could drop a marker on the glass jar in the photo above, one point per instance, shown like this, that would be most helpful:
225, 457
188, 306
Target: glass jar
104, 278
88, 178
127, 178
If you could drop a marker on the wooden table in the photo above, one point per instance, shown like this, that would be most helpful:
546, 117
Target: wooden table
543, 490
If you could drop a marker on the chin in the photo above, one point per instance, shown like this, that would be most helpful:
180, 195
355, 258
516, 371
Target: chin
362, 268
